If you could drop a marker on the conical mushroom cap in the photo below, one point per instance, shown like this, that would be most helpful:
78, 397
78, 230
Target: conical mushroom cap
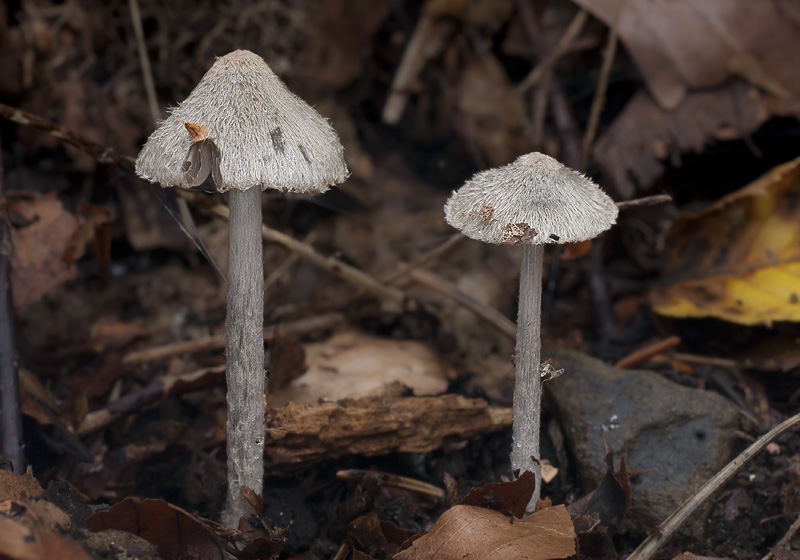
259, 134
534, 200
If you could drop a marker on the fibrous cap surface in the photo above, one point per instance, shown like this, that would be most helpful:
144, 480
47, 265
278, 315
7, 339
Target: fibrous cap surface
534, 199
260, 134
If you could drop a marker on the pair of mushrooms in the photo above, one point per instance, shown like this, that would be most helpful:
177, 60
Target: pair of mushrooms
244, 131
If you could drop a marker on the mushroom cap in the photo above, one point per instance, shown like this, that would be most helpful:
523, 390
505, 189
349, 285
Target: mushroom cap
534, 199
259, 134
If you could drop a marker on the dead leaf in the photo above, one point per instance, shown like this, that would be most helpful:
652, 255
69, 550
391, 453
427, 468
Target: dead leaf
353, 363
738, 260
175, 532
17, 487
37, 515
645, 138
509, 498
490, 115
680, 45
45, 248
196, 131
17, 542
478, 533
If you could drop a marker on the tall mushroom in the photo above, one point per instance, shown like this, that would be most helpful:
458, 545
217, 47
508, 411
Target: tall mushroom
532, 201
244, 131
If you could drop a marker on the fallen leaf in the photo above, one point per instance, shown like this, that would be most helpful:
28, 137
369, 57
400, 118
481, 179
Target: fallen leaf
489, 114
352, 363
176, 533
37, 515
644, 139
18, 542
45, 248
477, 533
196, 131
684, 44
18, 486
738, 260
510, 498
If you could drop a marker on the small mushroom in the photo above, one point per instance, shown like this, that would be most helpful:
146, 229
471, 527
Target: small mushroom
243, 130
532, 201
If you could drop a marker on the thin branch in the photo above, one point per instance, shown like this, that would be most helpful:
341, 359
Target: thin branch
210, 343
10, 412
600, 92
565, 45
664, 532
144, 60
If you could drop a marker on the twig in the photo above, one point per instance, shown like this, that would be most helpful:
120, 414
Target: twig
426, 42
287, 264
563, 118
644, 354
786, 539
565, 45
331, 264
644, 201
393, 480
210, 343
447, 289
706, 360
144, 60
664, 532
434, 253
159, 388
101, 153
10, 412
600, 92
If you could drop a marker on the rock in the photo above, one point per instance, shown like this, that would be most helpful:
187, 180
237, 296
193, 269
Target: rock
686, 434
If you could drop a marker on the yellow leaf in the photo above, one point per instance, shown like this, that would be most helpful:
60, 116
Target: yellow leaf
738, 260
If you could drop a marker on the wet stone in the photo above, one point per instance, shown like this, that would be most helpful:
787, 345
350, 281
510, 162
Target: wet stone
686, 434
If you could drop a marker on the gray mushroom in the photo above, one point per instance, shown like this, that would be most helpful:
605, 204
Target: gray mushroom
242, 130
533, 201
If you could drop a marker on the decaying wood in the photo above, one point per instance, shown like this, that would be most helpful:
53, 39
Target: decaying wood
300, 434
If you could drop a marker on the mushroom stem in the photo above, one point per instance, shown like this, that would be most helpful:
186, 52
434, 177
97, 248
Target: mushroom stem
528, 382
244, 351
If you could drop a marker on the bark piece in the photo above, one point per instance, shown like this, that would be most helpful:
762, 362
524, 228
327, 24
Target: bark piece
302, 434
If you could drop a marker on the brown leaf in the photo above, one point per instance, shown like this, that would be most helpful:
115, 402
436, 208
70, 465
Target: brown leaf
633, 150
44, 249
510, 498
37, 515
490, 114
684, 44
175, 532
196, 131
17, 542
478, 533
353, 363
16, 486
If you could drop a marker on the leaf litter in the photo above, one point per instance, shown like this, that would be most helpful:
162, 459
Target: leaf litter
154, 427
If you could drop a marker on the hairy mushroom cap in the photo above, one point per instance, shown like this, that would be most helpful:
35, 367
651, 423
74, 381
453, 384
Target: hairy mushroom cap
257, 133
534, 200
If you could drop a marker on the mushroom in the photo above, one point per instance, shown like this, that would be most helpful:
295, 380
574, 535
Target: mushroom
533, 201
244, 131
